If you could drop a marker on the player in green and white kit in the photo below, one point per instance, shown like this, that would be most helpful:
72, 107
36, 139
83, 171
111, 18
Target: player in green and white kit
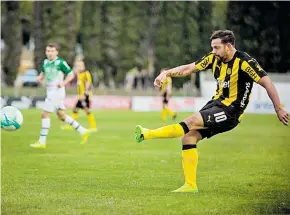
53, 71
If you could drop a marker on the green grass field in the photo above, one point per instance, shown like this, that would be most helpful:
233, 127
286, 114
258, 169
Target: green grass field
244, 171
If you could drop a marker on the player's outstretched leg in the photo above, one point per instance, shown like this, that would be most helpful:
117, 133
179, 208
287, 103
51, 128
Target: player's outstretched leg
169, 131
192, 122
139, 133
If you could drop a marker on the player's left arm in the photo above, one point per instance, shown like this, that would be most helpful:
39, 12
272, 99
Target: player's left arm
66, 69
273, 94
258, 74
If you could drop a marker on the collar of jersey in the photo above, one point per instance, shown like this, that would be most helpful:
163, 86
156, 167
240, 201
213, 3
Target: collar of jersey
234, 57
52, 60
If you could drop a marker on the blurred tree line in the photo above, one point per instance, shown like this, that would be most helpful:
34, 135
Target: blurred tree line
118, 36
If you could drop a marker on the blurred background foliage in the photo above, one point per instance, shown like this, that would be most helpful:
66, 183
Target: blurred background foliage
114, 37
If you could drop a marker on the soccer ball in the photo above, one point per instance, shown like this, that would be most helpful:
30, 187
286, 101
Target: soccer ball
11, 118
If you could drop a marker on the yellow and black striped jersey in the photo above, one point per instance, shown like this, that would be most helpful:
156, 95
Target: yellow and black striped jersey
234, 79
165, 83
84, 77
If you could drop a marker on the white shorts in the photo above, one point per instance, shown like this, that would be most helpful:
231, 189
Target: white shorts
54, 101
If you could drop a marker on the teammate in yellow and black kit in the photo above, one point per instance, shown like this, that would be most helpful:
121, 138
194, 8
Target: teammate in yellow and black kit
84, 85
166, 92
234, 71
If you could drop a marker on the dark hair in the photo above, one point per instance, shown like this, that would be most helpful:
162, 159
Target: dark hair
226, 36
53, 45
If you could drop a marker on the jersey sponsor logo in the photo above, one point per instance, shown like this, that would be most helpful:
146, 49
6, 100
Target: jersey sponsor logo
229, 71
248, 85
251, 72
204, 63
223, 84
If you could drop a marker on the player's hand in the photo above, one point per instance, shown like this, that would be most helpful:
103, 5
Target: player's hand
39, 79
60, 85
160, 79
283, 115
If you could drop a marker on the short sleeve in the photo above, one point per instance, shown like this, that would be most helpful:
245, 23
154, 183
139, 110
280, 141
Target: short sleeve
65, 68
205, 62
253, 69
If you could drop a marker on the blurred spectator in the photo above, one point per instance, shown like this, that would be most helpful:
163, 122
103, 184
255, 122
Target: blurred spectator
130, 78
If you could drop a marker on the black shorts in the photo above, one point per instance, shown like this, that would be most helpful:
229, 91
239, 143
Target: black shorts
217, 118
83, 104
165, 100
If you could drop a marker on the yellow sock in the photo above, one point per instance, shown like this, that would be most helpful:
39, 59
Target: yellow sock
92, 120
189, 164
163, 114
169, 131
75, 116
170, 112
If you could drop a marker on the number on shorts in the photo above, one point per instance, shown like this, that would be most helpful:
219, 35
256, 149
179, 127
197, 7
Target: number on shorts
219, 117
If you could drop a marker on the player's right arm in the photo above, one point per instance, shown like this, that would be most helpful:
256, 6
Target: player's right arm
185, 70
41, 75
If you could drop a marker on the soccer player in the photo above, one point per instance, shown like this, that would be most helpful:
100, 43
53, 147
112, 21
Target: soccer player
234, 71
84, 95
53, 70
166, 91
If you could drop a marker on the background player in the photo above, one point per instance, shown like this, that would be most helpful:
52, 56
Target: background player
234, 71
53, 70
166, 92
84, 85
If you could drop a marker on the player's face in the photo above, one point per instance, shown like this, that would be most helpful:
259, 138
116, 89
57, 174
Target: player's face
51, 52
80, 66
219, 49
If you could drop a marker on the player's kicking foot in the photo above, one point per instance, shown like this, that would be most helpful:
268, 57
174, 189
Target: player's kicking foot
38, 145
186, 189
85, 136
66, 127
139, 133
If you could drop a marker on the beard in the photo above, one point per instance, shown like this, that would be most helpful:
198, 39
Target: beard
221, 58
